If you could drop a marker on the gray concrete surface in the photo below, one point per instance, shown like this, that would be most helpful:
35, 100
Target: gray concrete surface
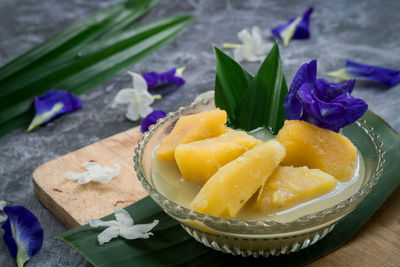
366, 31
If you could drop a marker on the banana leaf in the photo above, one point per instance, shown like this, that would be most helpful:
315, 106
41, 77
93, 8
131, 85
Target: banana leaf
172, 246
87, 54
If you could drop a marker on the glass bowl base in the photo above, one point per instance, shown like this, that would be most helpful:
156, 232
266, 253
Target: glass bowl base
257, 247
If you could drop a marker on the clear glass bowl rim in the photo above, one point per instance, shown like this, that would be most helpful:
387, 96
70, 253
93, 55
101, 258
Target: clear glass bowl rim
167, 204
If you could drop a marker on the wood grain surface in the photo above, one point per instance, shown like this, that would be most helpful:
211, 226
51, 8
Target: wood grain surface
72, 203
376, 244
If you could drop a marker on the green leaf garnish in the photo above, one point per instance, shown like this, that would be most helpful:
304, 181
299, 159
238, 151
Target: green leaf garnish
82, 56
231, 82
251, 102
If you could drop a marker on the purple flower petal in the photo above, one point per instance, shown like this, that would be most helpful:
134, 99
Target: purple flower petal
154, 78
387, 76
327, 105
53, 104
335, 114
300, 30
151, 119
23, 234
306, 74
327, 91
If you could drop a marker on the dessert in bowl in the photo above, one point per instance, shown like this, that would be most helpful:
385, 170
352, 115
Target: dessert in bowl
248, 232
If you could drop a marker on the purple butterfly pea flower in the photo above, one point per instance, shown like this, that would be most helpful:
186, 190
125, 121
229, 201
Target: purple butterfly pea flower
390, 77
151, 119
170, 76
22, 234
295, 28
327, 105
53, 104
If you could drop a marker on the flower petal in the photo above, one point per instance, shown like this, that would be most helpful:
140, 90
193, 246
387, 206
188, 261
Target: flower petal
144, 110
95, 173
390, 77
307, 73
108, 234
151, 119
327, 105
302, 31
138, 231
253, 47
124, 96
152, 78
179, 71
170, 76
239, 54
123, 216
23, 234
51, 105
295, 28
139, 83
335, 114
132, 112
327, 91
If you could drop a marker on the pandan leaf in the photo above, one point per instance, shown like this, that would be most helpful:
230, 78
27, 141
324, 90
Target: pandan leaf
251, 102
100, 24
81, 57
172, 246
231, 82
272, 78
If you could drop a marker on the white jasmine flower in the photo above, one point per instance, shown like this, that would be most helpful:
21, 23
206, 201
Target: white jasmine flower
207, 94
137, 98
122, 227
95, 173
3, 217
253, 47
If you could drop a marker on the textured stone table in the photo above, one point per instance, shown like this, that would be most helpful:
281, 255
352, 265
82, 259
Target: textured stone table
366, 31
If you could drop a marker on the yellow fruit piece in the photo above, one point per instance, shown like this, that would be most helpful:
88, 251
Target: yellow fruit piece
199, 160
318, 148
289, 186
225, 193
192, 128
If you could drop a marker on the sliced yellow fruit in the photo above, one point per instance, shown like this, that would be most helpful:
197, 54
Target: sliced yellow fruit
192, 128
318, 148
199, 160
225, 193
289, 186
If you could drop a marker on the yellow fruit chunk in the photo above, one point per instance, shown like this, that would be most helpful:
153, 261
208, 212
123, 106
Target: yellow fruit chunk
318, 148
225, 193
199, 160
289, 186
192, 128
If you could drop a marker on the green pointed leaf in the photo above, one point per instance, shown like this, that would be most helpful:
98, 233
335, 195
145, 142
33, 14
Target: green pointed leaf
231, 82
172, 246
262, 103
271, 75
100, 24
251, 111
97, 62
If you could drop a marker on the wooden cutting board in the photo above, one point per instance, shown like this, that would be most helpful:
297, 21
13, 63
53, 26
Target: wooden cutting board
376, 244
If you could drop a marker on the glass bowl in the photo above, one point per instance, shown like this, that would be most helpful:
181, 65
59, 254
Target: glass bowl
257, 238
